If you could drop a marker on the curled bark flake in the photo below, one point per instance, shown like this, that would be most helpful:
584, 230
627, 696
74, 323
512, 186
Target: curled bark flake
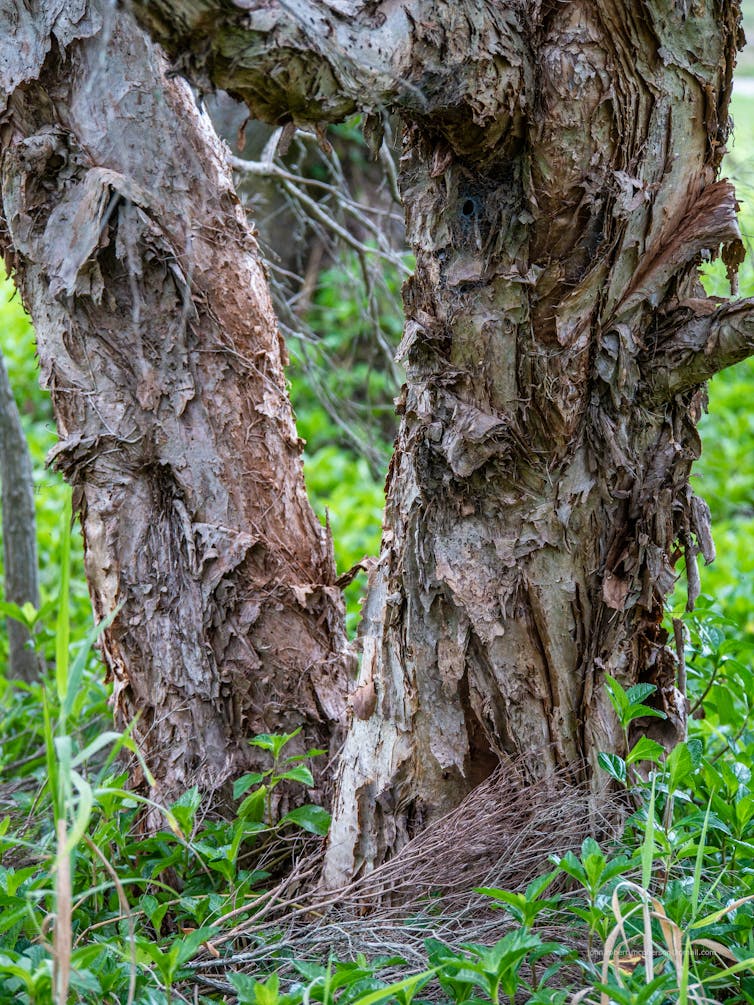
363, 701
701, 525
706, 221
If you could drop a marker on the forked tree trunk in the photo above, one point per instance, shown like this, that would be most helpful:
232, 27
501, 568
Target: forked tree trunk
559, 176
158, 342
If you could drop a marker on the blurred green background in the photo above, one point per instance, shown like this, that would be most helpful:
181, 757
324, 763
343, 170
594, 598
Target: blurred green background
334, 361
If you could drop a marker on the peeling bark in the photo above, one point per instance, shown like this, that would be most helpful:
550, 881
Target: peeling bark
560, 187
159, 345
317, 63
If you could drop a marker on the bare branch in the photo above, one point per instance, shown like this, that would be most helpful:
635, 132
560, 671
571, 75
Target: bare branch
702, 347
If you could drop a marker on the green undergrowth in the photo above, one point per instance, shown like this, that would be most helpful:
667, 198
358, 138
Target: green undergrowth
95, 909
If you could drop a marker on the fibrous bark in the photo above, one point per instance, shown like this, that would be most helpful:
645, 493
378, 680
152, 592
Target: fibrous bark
158, 342
19, 531
560, 180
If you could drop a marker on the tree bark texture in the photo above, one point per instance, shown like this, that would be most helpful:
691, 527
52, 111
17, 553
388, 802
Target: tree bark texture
158, 342
560, 176
21, 579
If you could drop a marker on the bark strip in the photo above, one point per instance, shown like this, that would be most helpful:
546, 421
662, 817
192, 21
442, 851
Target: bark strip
710, 338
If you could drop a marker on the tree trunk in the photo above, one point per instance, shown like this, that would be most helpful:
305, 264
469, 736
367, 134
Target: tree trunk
559, 176
19, 531
538, 500
158, 342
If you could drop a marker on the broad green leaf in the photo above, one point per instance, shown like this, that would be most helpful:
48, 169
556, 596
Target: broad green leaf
411, 984
618, 697
615, 766
646, 750
245, 782
274, 742
19, 613
637, 694
252, 808
298, 774
314, 819
680, 764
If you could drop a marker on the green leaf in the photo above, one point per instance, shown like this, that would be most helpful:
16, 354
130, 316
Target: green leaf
643, 711
314, 819
409, 984
103, 740
680, 765
299, 774
19, 613
184, 809
618, 697
82, 815
73, 683
63, 628
189, 946
648, 844
696, 749
245, 987
252, 808
615, 766
646, 750
245, 782
639, 692
274, 742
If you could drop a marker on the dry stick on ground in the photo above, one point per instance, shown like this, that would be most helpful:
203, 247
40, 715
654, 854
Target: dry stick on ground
500, 836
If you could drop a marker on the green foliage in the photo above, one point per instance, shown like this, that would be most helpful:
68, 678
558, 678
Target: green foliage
346, 485
74, 860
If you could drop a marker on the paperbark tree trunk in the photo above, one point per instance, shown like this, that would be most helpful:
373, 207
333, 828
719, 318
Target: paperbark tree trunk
560, 179
158, 342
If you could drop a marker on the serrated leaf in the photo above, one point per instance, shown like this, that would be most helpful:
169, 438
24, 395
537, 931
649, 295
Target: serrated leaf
252, 808
274, 742
642, 712
618, 697
639, 692
245, 782
680, 765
